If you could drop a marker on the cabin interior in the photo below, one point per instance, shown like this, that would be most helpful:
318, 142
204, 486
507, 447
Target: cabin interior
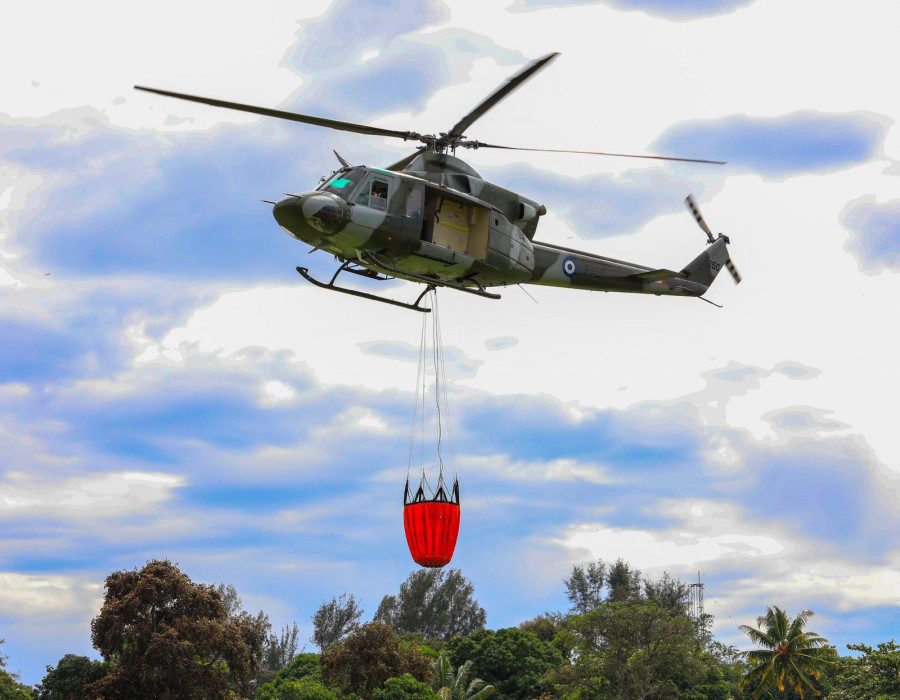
459, 226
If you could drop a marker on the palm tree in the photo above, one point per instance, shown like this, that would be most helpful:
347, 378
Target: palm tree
791, 657
455, 685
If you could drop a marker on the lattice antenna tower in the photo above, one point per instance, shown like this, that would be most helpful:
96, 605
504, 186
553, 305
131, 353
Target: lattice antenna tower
695, 600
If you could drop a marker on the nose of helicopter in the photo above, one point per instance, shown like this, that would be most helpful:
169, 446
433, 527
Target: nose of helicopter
314, 213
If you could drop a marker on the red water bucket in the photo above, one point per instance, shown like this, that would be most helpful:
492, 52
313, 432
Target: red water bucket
431, 531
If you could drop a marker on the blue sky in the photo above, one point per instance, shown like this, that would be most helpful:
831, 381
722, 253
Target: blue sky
169, 387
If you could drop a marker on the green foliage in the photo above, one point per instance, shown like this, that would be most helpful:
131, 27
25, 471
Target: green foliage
584, 587
636, 650
790, 658
874, 675
459, 684
590, 586
307, 688
303, 667
511, 659
404, 688
67, 680
368, 657
11, 689
623, 583
668, 593
170, 638
333, 621
545, 626
436, 603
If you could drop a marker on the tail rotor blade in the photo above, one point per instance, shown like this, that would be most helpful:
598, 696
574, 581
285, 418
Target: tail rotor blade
733, 270
692, 205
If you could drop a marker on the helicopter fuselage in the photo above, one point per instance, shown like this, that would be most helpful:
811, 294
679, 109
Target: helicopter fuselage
449, 225
439, 220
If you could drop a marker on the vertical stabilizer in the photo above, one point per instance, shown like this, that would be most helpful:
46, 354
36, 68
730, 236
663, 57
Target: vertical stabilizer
704, 268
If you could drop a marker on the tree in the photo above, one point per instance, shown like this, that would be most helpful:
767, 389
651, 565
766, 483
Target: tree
623, 583
545, 626
234, 606
281, 649
10, 688
668, 593
404, 688
639, 650
368, 657
584, 587
873, 676
792, 657
512, 660
278, 650
170, 638
437, 603
303, 667
303, 689
67, 680
335, 620
458, 684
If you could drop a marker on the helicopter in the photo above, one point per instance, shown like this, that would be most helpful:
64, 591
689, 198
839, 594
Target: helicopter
430, 218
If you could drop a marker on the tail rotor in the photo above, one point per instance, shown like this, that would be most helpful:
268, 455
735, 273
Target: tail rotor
695, 210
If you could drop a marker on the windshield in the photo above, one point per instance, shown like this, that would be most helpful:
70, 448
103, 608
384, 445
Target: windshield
344, 182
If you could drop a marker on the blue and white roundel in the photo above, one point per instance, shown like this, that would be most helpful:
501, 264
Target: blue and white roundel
569, 267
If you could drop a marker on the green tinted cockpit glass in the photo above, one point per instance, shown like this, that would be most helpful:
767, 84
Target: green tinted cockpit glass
344, 182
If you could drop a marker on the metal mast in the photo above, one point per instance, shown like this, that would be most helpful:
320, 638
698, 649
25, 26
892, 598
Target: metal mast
695, 601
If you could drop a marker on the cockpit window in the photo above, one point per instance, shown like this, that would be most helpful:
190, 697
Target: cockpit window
374, 194
344, 182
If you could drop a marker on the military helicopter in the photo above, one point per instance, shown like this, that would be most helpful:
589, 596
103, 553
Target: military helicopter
430, 218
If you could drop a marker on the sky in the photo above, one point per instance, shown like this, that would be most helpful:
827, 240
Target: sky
170, 388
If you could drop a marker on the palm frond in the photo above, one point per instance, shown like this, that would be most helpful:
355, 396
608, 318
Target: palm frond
757, 636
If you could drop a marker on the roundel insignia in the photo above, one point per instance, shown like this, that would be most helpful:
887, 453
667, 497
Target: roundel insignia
569, 267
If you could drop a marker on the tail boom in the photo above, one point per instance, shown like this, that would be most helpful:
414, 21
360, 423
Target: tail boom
564, 267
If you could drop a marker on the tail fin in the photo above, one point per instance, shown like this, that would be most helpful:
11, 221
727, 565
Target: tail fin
704, 268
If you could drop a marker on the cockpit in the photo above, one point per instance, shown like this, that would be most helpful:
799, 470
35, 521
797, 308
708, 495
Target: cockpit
344, 182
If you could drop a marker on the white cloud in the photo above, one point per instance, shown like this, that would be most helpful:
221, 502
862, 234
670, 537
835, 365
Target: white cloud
92, 496
563, 469
39, 596
709, 533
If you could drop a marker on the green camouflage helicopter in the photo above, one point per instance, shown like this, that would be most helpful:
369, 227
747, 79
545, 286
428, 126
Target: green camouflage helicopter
430, 218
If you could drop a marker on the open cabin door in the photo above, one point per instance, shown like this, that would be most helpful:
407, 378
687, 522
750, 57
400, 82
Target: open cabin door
458, 226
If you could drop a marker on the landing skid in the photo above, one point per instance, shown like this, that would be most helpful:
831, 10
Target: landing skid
372, 259
346, 266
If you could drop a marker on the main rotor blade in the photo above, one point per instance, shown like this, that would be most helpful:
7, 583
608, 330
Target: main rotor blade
292, 116
460, 128
479, 144
692, 205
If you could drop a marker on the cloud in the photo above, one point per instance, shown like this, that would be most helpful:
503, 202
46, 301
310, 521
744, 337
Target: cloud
564, 470
874, 229
600, 206
119, 202
401, 80
783, 146
502, 343
456, 364
348, 31
41, 596
674, 10
89, 496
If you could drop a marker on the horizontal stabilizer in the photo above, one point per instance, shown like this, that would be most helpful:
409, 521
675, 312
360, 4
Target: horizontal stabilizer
657, 275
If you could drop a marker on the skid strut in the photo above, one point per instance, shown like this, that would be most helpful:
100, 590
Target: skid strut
374, 297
